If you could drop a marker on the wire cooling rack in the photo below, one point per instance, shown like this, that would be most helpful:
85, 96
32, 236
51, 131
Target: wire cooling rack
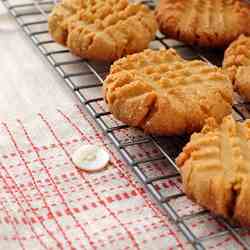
32, 18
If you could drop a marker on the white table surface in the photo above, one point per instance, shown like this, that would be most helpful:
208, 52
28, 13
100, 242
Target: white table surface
28, 83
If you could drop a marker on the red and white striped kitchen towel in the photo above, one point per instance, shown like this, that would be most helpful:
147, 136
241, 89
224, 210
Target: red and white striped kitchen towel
46, 203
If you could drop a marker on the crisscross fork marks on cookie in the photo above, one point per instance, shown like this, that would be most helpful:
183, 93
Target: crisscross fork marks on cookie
108, 22
165, 73
182, 74
236, 64
191, 17
215, 167
208, 23
141, 85
103, 30
237, 55
110, 12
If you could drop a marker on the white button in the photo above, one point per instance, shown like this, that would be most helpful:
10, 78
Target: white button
90, 158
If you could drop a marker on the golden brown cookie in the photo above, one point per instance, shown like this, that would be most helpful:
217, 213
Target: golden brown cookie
237, 65
162, 93
237, 55
102, 29
215, 168
207, 23
242, 82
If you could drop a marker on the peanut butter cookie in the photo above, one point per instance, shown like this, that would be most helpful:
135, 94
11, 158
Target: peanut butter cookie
162, 93
215, 168
237, 64
102, 29
242, 82
207, 23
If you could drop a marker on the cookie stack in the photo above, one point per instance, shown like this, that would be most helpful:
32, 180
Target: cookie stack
162, 93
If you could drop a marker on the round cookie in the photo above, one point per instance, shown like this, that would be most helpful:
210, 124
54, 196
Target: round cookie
207, 23
242, 82
236, 55
215, 168
102, 29
162, 93
237, 65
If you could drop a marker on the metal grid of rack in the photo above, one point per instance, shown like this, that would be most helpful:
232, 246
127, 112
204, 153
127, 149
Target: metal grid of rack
32, 18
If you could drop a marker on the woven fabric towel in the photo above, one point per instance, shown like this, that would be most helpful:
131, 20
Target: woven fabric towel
46, 203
